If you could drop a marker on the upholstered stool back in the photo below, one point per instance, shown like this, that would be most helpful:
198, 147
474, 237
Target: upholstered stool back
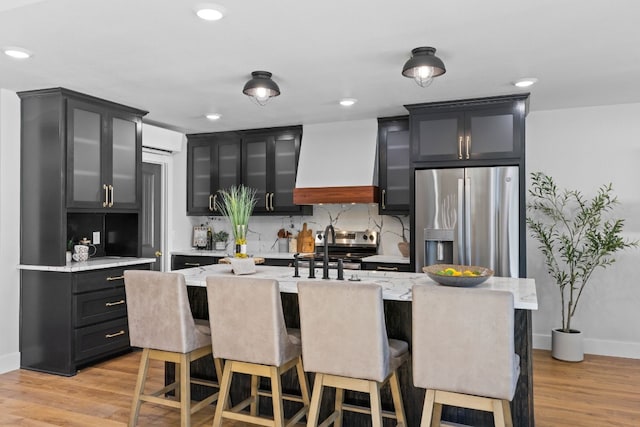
159, 313
463, 341
247, 323
343, 329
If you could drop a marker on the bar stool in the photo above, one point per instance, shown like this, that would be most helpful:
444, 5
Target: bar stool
249, 332
463, 350
344, 341
160, 321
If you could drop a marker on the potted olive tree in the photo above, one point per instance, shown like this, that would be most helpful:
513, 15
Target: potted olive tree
576, 237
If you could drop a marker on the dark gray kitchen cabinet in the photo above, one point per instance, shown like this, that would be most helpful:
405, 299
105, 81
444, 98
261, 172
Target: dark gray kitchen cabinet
213, 164
78, 155
269, 165
386, 266
460, 131
180, 262
263, 159
394, 164
104, 151
72, 319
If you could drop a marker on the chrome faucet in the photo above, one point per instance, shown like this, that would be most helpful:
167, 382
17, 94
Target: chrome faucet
325, 256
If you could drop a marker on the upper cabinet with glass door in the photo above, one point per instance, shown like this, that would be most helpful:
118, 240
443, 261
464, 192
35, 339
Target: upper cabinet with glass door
269, 165
213, 164
104, 155
460, 131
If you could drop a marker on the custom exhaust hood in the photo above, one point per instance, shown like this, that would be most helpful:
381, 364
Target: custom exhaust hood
338, 163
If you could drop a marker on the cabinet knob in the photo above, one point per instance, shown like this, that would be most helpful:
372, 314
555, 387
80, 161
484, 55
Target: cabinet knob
158, 253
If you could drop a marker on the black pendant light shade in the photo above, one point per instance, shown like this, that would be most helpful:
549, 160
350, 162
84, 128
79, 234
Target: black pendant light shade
261, 88
423, 66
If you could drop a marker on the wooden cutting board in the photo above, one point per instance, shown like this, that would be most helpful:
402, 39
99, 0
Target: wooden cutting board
306, 242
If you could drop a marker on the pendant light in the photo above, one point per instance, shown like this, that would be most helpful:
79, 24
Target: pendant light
261, 88
423, 66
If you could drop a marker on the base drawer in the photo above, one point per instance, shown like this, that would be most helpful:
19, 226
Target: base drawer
99, 306
101, 339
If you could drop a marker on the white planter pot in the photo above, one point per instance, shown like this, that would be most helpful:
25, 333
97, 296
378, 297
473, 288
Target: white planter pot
567, 346
220, 246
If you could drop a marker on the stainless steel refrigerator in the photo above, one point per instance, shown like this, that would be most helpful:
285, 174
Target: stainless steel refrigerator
468, 216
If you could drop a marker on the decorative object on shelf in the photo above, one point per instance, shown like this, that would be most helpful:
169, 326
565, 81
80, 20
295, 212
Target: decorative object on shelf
457, 275
220, 240
423, 66
237, 205
576, 236
403, 246
261, 88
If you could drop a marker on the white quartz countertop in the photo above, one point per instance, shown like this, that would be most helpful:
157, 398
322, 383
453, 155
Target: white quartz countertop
91, 264
383, 259
395, 285
222, 254
386, 259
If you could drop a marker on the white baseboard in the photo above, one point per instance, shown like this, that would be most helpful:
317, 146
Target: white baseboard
9, 362
595, 346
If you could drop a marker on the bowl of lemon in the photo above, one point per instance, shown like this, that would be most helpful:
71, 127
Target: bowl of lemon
457, 275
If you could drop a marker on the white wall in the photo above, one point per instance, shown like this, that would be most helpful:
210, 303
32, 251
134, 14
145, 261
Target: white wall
9, 230
584, 148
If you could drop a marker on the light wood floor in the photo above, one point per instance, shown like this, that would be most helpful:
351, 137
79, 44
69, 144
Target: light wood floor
597, 392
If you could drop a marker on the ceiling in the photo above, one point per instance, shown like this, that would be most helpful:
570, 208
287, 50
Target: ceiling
158, 56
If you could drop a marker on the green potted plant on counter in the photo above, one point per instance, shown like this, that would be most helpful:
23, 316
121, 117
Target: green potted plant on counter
220, 239
237, 205
576, 237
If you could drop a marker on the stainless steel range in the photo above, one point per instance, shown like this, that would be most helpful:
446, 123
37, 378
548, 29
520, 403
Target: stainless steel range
349, 246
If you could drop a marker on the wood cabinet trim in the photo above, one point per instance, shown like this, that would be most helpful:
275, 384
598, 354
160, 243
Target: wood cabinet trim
347, 194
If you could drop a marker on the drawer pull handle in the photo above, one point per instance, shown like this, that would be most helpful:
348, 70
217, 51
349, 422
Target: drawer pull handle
111, 304
111, 279
383, 268
117, 334
192, 264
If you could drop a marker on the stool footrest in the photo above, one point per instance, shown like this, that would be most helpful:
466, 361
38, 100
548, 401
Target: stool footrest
363, 410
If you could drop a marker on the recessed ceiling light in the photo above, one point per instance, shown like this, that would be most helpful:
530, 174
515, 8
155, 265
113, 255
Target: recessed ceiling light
17, 52
213, 116
210, 12
348, 102
526, 82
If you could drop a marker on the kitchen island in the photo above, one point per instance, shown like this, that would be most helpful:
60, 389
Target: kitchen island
397, 294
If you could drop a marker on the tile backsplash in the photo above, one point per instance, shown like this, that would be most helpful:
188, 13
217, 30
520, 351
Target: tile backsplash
262, 234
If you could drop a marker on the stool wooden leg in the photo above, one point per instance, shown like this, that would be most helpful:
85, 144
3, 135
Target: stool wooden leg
316, 398
223, 397
427, 409
506, 408
140, 382
304, 386
376, 405
185, 391
396, 394
276, 397
255, 404
338, 407
498, 413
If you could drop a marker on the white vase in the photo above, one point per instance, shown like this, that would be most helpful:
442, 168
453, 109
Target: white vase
220, 246
567, 346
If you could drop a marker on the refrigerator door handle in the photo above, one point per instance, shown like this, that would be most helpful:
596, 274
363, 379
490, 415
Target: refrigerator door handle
460, 222
467, 220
